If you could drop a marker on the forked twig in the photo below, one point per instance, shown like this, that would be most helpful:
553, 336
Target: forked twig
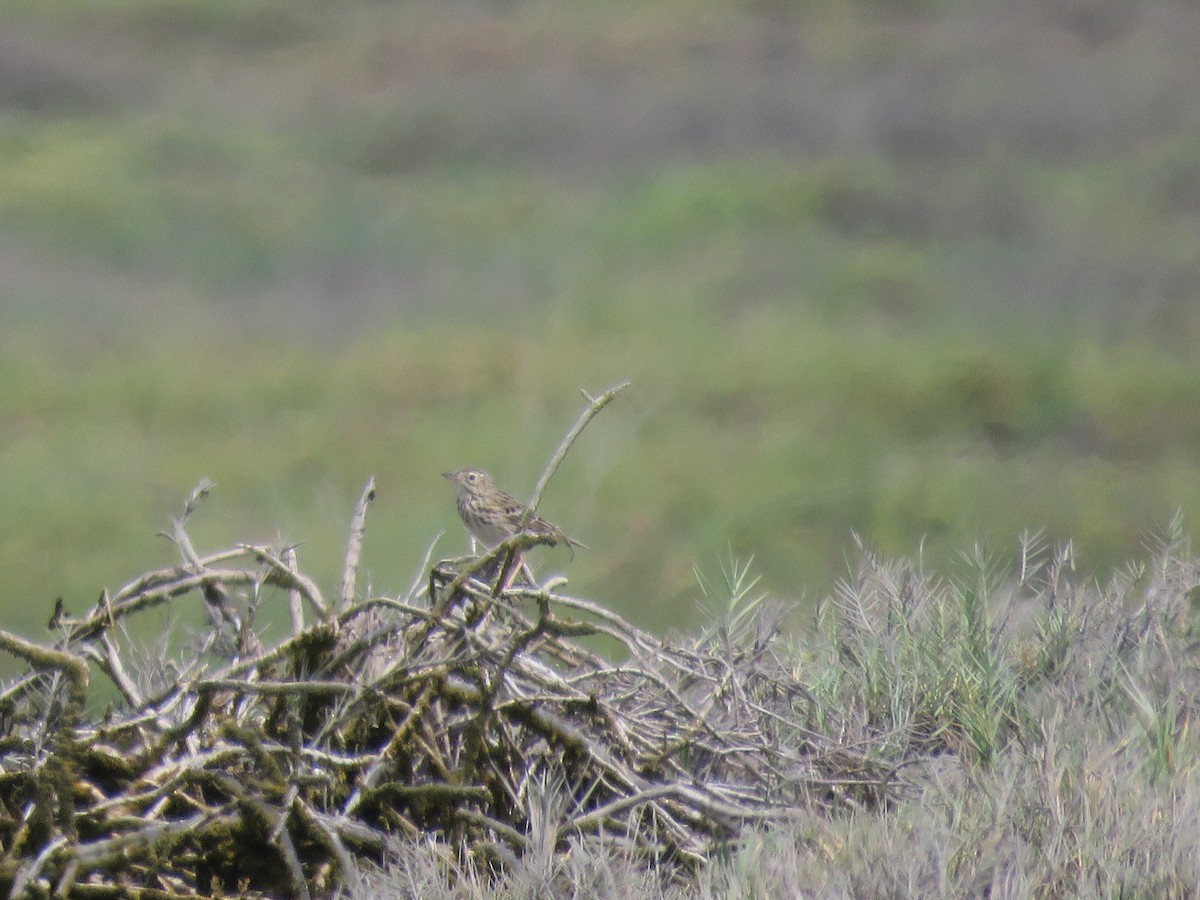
596, 404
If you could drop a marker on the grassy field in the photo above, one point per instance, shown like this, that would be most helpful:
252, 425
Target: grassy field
927, 274
743, 448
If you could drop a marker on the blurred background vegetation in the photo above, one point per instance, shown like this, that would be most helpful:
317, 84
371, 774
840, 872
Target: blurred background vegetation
928, 270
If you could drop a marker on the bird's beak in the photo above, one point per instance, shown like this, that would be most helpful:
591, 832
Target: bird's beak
449, 475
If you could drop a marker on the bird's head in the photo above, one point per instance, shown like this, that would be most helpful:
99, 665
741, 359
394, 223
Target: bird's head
470, 481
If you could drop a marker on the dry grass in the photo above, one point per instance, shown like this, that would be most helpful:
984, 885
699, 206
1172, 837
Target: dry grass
1041, 727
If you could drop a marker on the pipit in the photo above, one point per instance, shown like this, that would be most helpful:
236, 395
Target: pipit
492, 515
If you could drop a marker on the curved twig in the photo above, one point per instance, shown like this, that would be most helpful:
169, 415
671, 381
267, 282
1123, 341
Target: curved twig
596, 404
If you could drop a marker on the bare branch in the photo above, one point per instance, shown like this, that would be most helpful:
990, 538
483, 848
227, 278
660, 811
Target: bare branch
358, 525
596, 404
295, 599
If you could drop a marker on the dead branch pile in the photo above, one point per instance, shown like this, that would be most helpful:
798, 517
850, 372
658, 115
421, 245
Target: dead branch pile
469, 709
451, 710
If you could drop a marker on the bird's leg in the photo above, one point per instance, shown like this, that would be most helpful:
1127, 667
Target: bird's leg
520, 569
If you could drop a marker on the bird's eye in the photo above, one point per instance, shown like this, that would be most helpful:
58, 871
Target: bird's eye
472, 477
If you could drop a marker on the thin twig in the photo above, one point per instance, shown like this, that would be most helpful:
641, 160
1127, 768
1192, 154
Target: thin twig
46, 658
358, 525
284, 577
295, 599
596, 404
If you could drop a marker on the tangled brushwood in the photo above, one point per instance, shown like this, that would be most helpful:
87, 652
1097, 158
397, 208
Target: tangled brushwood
451, 711
461, 710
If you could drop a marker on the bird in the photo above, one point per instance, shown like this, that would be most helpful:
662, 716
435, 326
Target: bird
491, 515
